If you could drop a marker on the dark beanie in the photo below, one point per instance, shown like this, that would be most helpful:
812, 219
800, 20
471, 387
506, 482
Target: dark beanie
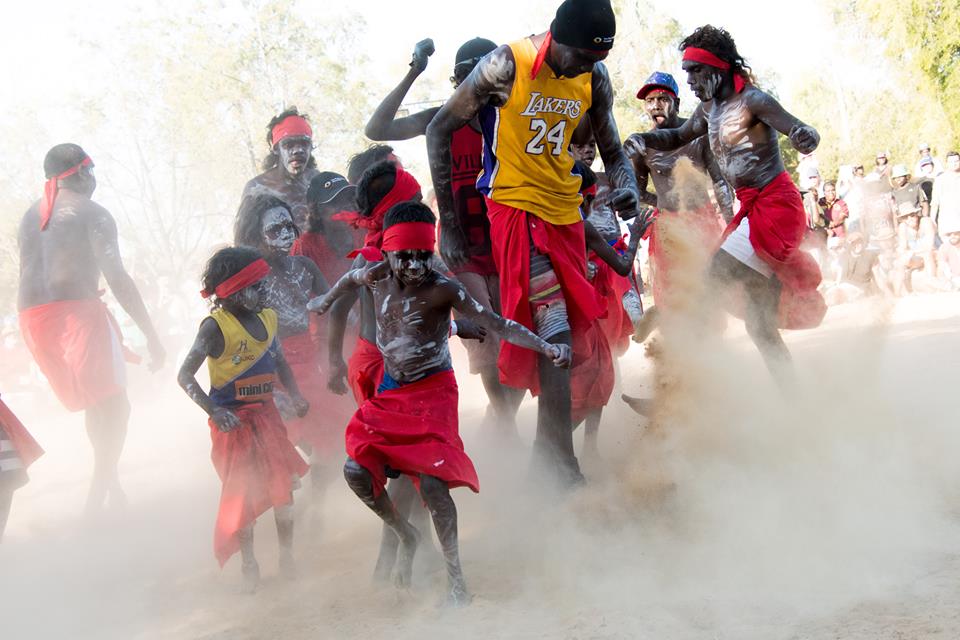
476, 48
585, 24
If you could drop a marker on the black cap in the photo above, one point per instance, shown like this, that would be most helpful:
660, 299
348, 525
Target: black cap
474, 49
585, 24
326, 186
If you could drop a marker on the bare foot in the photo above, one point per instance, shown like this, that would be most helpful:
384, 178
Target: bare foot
459, 596
288, 567
251, 577
387, 558
403, 571
643, 406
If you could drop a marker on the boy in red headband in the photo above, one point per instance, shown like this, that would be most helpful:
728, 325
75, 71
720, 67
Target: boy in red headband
256, 463
266, 224
66, 242
467, 224
410, 426
761, 246
18, 450
290, 165
530, 97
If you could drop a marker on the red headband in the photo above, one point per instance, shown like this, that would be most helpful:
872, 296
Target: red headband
410, 236
696, 54
291, 126
250, 274
52, 187
405, 188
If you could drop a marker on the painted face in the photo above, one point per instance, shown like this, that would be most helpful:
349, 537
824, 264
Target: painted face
248, 299
294, 154
660, 106
410, 266
278, 231
830, 193
953, 163
703, 80
572, 62
462, 69
585, 153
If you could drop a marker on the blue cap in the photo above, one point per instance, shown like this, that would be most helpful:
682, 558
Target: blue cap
659, 80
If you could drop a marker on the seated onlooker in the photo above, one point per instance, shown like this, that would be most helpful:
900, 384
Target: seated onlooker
860, 273
915, 265
945, 203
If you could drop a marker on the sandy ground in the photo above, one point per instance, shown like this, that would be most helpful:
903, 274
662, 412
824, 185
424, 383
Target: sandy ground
835, 514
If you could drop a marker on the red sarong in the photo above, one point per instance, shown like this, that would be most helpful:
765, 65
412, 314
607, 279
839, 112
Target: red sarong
413, 429
510, 232
78, 347
27, 448
616, 325
258, 467
329, 413
705, 232
365, 370
592, 375
777, 227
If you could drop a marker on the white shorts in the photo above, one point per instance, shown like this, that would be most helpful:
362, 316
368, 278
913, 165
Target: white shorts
738, 245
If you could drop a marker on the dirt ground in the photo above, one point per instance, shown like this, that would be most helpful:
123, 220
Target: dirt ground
832, 514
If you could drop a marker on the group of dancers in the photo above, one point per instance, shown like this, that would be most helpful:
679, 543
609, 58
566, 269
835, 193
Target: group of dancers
532, 272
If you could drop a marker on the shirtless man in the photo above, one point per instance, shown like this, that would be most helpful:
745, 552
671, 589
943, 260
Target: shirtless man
468, 218
530, 97
265, 223
66, 242
761, 249
660, 96
290, 166
662, 104
410, 426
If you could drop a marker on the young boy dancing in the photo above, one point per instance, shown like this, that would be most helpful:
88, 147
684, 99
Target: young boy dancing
251, 453
410, 426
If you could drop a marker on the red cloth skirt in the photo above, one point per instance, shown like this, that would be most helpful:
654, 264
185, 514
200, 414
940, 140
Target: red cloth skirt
413, 429
777, 227
78, 347
365, 370
511, 231
257, 466
616, 325
329, 413
27, 448
592, 374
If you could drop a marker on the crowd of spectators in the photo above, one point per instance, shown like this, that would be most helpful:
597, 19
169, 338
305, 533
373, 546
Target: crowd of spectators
891, 231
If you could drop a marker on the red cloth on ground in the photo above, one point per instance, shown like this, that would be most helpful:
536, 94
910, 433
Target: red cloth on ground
616, 325
707, 234
414, 429
365, 370
323, 424
777, 227
511, 250
592, 374
78, 347
257, 465
27, 448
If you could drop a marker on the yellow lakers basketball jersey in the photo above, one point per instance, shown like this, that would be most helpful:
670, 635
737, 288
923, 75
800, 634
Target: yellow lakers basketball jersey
246, 370
525, 159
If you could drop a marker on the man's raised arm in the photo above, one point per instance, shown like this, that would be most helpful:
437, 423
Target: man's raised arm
384, 123
490, 81
668, 139
804, 138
